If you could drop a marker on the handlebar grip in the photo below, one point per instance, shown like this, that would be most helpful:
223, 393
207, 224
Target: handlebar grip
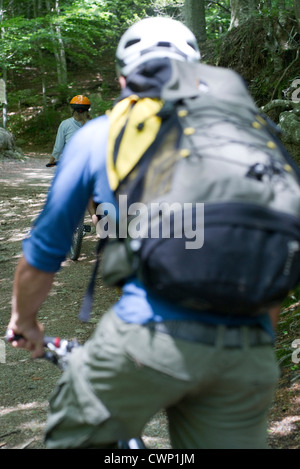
11, 337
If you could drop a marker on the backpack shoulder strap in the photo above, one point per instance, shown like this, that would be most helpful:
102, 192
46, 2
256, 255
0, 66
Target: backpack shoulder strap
134, 124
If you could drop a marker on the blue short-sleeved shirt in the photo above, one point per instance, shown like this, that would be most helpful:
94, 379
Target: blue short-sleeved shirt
81, 174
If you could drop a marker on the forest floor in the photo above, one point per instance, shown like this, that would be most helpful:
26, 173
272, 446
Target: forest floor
25, 384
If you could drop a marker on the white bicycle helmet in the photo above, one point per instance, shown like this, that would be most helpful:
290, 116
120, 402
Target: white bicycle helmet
152, 38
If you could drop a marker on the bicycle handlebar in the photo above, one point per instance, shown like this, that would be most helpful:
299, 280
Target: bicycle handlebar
58, 349
57, 353
11, 337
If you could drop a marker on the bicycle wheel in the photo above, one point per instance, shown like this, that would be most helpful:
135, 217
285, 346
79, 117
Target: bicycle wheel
77, 242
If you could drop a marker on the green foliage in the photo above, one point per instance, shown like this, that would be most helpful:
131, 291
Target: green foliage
288, 329
33, 35
172, 8
87, 28
217, 18
32, 38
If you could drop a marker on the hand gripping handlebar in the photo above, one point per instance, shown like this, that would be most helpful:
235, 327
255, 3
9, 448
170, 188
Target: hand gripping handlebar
57, 351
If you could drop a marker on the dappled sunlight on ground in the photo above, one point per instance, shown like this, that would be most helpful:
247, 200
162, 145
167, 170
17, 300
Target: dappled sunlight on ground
286, 425
31, 426
25, 385
21, 407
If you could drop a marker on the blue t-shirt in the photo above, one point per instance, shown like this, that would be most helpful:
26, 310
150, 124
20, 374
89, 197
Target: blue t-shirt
80, 175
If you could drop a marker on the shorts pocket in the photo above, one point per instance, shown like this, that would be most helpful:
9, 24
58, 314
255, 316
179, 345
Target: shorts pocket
90, 406
74, 408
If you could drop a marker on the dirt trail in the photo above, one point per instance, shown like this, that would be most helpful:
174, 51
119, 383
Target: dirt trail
25, 385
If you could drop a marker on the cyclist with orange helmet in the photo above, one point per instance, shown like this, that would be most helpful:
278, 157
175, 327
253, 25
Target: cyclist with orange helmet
80, 106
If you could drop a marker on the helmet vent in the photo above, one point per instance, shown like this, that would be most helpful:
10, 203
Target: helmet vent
192, 45
131, 43
164, 44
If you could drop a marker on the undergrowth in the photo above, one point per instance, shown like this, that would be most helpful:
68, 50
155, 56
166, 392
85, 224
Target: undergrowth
288, 334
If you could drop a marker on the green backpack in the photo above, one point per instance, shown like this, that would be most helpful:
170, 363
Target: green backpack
213, 198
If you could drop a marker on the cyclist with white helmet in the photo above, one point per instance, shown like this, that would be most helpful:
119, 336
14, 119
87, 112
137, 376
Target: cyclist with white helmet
80, 106
217, 389
140, 44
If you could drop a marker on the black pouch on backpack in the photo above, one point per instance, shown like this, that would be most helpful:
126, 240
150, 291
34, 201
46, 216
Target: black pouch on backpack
248, 262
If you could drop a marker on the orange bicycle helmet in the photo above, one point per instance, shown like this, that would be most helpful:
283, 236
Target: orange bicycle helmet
80, 103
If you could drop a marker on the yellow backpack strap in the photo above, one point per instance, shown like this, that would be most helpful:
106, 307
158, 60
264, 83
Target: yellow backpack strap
133, 127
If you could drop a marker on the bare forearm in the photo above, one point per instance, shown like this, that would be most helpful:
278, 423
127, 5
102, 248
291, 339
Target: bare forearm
31, 287
92, 208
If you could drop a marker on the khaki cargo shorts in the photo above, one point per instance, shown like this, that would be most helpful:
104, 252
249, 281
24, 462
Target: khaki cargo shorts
215, 395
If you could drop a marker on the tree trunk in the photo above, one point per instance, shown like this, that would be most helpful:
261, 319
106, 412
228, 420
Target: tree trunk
4, 110
59, 48
297, 12
281, 11
37, 11
194, 13
4, 74
241, 11
62, 62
